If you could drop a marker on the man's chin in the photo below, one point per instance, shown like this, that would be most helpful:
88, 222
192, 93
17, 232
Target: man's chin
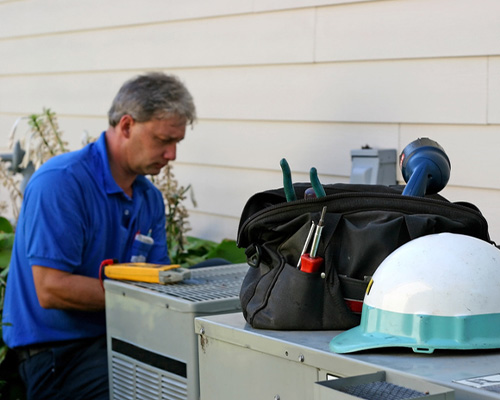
155, 169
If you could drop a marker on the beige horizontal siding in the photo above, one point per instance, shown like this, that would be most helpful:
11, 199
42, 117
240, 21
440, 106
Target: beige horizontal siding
494, 90
258, 145
269, 38
408, 29
56, 16
423, 91
363, 31
486, 200
411, 91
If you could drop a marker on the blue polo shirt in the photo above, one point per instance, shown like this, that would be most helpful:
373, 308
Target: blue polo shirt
73, 217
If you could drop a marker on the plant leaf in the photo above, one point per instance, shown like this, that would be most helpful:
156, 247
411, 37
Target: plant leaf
5, 225
228, 250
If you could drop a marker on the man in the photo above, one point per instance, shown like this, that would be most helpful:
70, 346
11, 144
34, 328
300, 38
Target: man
79, 209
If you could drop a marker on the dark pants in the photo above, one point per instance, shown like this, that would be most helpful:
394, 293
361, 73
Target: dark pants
76, 370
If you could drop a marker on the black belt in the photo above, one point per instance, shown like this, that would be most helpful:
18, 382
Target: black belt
23, 353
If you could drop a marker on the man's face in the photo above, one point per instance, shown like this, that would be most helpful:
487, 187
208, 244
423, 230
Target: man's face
153, 144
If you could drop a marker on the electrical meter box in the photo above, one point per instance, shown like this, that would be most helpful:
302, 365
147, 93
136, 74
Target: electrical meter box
152, 346
373, 166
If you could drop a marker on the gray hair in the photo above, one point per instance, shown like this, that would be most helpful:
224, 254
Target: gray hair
152, 95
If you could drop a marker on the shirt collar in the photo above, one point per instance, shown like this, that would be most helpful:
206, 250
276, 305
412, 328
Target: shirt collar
110, 185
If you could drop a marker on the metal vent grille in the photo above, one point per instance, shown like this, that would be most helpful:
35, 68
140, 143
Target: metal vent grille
123, 386
136, 380
206, 284
381, 390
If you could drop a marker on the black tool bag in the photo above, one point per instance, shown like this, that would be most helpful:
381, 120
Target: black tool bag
362, 226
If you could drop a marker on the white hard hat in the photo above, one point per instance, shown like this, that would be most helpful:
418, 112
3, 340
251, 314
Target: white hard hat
439, 291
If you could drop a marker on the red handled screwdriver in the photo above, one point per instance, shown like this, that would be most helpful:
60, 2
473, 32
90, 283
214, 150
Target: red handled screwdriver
306, 245
309, 261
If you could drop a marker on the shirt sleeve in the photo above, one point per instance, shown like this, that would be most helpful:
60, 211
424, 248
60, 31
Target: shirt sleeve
53, 221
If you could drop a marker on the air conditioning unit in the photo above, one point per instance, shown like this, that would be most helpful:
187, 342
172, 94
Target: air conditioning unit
152, 345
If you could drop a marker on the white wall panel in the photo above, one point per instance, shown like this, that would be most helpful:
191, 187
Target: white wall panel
75, 129
472, 150
408, 29
74, 94
224, 191
265, 5
212, 227
424, 91
34, 17
31, 17
485, 200
261, 145
284, 37
494, 90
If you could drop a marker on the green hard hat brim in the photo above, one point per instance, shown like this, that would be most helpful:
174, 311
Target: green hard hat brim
422, 333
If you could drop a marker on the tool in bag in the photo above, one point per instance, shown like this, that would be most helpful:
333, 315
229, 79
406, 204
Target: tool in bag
306, 244
316, 189
310, 262
361, 226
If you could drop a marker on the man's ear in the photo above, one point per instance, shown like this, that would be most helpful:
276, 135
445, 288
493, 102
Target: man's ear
125, 124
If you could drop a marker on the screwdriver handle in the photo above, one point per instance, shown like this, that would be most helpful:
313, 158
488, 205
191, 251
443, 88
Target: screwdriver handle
310, 264
306, 244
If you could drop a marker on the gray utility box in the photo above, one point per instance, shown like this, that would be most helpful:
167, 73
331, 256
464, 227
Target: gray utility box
237, 361
152, 346
373, 166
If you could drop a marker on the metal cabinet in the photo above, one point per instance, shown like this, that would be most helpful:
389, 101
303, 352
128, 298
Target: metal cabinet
152, 346
239, 362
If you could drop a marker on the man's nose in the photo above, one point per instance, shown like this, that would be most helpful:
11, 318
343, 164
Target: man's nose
170, 152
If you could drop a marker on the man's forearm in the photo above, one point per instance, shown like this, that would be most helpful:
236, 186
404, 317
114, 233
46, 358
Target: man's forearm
63, 290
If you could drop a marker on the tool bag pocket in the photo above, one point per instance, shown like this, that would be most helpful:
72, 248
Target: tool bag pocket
363, 224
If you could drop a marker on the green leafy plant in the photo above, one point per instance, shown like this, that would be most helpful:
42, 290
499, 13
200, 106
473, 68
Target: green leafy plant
183, 249
46, 139
176, 213
43, 141
6, 241
197, 250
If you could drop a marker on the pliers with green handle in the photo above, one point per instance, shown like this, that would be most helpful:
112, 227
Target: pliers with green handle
288, 184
